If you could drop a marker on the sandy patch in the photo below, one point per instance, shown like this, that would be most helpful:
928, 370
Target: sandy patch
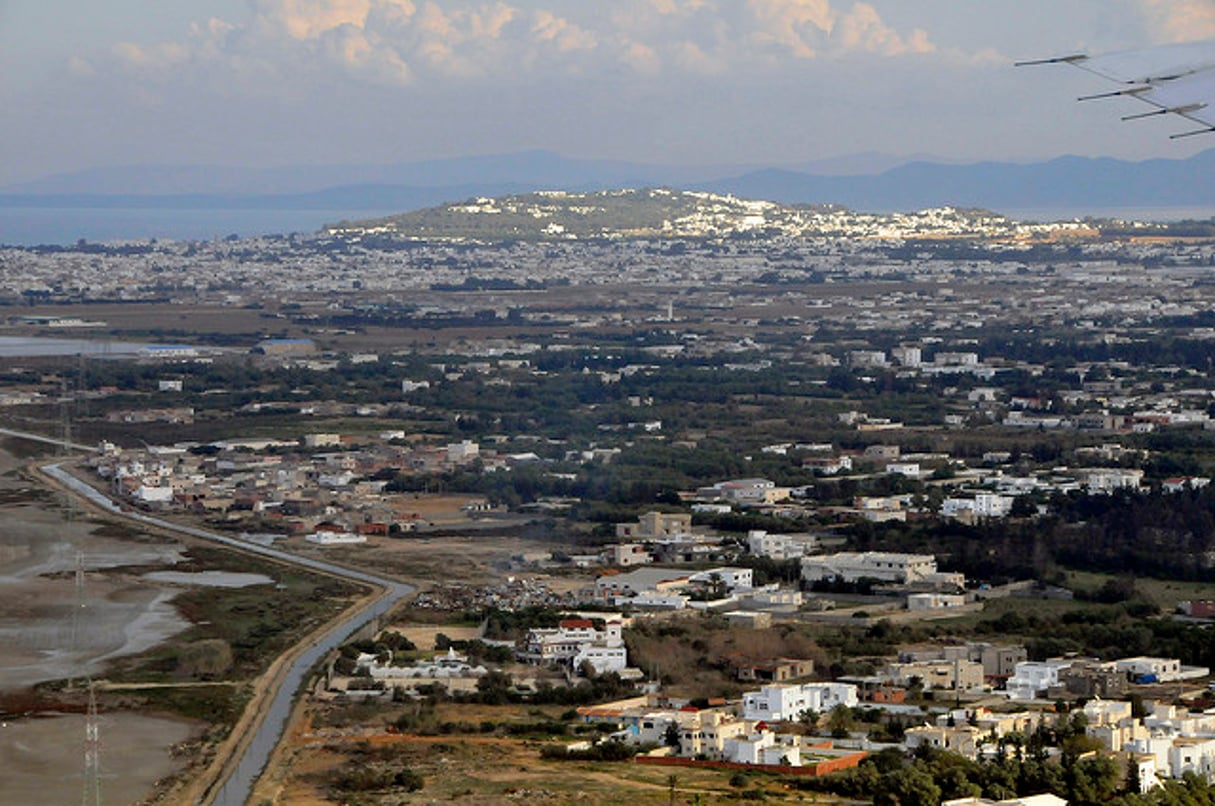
424, 637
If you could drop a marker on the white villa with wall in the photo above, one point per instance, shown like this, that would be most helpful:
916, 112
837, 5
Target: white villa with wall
783, 701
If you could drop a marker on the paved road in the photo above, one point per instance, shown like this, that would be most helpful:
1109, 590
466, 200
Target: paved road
235, 791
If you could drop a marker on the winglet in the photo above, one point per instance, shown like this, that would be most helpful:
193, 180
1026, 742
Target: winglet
1176, 110
1114, 94
1209, 130
1072, 59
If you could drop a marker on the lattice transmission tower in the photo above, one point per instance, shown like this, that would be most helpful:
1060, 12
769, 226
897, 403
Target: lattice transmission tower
91, 794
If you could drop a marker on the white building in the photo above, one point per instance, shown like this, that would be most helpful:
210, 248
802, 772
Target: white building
626, 555
153, 494
1192, 754
763, 747
901, 569
1106, 479
956, 359
775, 547
1029, 800
575, 641
911, 470
867, 358
961, 739
336, 538
733, 579
908, 356
744, 492
1032, 678
827, 465
449, 665
642, 581
957, 674
465, 451
918, 602
783, 701
981, 505
1165, 670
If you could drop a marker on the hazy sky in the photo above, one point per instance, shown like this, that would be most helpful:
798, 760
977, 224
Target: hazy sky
275, 82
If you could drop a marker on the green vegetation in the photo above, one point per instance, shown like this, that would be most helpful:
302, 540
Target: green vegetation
891, 779
377, 770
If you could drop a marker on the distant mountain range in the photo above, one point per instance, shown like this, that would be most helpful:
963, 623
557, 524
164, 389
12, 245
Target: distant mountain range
871, 182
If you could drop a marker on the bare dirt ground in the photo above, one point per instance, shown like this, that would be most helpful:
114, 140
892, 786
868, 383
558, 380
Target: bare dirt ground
41, 757
492, 770
424, 560
50, 627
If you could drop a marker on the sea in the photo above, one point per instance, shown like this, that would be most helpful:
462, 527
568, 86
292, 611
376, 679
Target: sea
34, 226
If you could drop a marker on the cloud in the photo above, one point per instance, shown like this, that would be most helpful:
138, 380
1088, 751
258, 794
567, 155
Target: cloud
399, 43
794, 24
363, 56
693, 59
309, 19
547, 27
642, 58
154, 57
488, 22
676, 6
1182, 20
862, 29
810, 28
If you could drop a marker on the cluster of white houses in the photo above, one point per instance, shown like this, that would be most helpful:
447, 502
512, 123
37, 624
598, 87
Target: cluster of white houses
294, 486
1164, 743
1043, 679
719, 733
753, 730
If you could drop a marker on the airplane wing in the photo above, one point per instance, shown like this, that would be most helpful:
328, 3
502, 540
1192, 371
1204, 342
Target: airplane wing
1173, 79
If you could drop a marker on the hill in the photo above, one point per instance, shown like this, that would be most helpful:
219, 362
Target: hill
666, 213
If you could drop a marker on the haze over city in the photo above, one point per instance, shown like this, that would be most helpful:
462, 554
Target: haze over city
762, 82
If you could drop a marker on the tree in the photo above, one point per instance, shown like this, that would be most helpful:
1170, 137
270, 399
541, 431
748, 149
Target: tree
670, 737
908, 787
841, 721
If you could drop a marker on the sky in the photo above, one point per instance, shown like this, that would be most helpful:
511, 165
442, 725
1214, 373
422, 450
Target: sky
262, 83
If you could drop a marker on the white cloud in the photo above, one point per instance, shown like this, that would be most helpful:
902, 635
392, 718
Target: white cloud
154, 57
547, 27
641, 58
862, 29
364, 56
810, 28
794, 24
397, 43
308, 19
488, 22
693, 59
1182, 20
